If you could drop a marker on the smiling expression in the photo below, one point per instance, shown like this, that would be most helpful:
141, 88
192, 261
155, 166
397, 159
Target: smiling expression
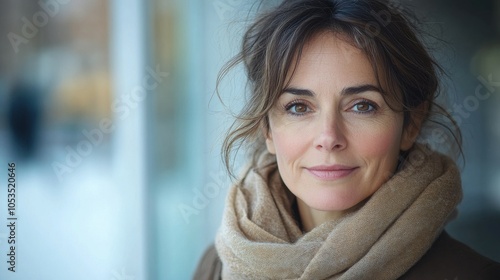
335, 138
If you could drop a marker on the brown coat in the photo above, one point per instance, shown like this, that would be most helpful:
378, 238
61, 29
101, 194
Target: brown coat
447, 259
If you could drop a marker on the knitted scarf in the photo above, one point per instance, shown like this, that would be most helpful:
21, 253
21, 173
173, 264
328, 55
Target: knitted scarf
260, 239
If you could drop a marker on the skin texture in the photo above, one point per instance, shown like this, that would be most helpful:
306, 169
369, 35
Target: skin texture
333, 116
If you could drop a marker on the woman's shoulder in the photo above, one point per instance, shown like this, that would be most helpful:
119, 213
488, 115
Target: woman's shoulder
210, 266
446, 259
453, 260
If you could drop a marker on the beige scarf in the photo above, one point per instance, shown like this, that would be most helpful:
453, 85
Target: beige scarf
260, 239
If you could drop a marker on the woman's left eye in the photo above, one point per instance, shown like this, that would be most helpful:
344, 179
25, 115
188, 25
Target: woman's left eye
364, 107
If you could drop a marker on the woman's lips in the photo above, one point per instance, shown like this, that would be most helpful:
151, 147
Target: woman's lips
332, 172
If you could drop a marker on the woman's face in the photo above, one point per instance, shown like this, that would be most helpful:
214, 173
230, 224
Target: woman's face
335, 139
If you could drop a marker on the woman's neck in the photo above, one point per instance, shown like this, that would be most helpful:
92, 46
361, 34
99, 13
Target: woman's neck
311, 218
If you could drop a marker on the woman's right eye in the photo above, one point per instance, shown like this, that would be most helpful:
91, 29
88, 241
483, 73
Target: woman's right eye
298, 109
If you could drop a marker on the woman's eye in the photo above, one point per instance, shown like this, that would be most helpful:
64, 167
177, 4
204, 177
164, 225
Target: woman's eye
298, 109
363, 107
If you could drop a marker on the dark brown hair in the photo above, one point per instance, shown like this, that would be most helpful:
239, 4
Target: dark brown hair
272, 45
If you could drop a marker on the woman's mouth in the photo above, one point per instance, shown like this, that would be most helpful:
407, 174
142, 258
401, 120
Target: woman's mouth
331, 172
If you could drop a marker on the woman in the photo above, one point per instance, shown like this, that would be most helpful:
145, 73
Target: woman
338, 187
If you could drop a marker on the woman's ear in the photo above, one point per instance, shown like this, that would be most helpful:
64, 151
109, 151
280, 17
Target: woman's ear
266, 131
409, 136
412, 130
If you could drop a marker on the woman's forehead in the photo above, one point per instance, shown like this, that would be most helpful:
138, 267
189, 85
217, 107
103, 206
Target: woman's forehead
329, 58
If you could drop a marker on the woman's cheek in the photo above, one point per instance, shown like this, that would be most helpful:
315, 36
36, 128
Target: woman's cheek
288, 145
379, 141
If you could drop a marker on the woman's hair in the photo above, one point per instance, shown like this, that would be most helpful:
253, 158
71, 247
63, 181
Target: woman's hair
272, 47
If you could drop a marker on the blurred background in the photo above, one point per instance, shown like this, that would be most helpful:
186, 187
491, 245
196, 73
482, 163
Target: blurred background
107, 110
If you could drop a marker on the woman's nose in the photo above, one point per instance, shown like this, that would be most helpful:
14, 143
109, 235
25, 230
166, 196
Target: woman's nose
330, 135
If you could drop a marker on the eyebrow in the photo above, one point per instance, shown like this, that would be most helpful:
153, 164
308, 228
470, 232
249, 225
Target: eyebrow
346, 91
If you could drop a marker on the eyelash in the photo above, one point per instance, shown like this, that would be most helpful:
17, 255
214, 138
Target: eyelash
290, 105
293, 103
365, 102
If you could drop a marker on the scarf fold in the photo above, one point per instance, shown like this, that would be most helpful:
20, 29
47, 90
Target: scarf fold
260, 239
